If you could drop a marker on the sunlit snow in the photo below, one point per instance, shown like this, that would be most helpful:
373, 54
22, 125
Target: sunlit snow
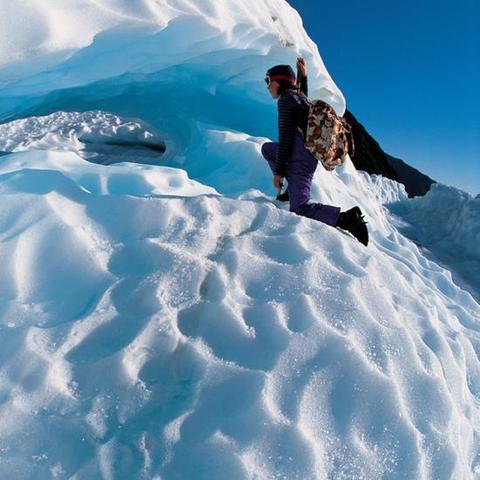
161, 317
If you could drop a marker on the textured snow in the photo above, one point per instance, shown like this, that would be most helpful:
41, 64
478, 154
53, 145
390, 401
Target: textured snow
161, 318
99, 136
446, 222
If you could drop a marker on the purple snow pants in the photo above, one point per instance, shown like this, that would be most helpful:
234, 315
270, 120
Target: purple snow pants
300, 168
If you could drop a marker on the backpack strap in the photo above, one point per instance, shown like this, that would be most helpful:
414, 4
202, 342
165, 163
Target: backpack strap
350, 141
301, 98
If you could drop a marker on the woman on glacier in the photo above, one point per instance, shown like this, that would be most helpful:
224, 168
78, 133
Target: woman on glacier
290, 159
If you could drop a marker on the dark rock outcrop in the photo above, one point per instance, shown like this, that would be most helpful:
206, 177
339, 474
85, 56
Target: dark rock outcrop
416, 183
371, 158
368, 155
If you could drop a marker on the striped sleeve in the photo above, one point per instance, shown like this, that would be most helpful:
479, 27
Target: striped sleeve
304, 85
286, 133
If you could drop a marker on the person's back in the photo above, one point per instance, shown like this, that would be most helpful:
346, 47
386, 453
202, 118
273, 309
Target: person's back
292, 116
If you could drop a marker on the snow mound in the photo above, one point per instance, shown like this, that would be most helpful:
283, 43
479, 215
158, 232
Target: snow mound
239, 340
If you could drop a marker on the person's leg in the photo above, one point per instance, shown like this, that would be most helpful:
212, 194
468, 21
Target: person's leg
269, 152
300, 170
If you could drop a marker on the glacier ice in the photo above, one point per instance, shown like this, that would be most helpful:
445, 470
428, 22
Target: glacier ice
160, 318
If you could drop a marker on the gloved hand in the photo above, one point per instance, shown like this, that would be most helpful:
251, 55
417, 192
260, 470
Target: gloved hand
302, 66
278, 181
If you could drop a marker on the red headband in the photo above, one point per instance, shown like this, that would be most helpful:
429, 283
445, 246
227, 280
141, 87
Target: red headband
283, 77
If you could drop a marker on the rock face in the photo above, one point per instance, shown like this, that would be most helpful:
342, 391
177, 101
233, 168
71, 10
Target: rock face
416, 183
370, 157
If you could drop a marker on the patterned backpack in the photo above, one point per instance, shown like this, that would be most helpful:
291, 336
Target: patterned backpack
328, 137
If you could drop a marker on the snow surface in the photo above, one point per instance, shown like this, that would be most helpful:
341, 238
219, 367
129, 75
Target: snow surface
446, 222
161, 318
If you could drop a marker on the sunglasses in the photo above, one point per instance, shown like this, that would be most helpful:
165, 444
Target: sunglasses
267, 80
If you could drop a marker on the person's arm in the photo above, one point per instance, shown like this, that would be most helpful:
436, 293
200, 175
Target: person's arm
304, 85
302, 72
286, 133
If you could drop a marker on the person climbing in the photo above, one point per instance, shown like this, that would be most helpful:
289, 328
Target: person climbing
289, 158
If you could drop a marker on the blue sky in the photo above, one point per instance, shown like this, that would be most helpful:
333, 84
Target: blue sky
410, 72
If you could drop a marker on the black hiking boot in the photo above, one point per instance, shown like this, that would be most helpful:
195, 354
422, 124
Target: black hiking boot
283, 197
352, 221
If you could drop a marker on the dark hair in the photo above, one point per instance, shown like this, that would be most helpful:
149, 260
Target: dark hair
285, 85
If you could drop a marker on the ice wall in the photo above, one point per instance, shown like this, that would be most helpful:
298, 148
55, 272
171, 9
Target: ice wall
170, 63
